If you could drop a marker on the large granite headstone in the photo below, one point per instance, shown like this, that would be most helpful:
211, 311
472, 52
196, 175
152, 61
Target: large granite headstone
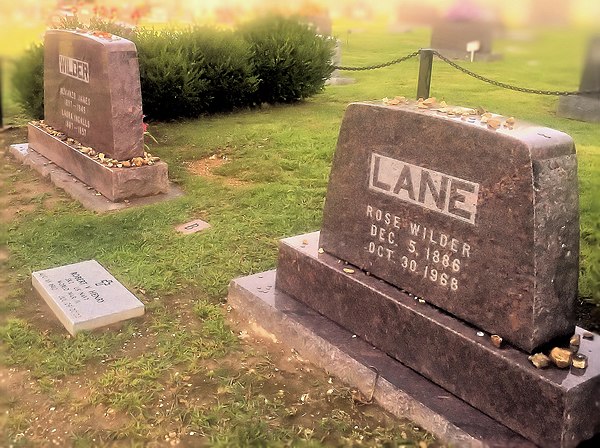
586, 106
92, 91
92, 96
482, 223
85, 296
440, 223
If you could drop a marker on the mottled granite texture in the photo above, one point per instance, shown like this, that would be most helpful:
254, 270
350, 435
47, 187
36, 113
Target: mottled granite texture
482, 223
92, 91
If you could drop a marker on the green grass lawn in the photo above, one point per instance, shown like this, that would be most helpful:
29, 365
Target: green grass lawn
273, 186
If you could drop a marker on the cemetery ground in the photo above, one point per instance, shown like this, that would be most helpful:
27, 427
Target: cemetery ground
191, 371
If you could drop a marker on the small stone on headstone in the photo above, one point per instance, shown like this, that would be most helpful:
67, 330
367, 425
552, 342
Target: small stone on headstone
496, 340
574, 343
85, 296
561, 357
579, 361
539, 360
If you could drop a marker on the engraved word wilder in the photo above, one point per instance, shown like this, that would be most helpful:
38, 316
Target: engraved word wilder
446, 210
74, 68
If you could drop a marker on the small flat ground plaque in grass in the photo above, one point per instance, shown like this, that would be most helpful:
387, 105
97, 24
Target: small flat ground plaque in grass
85, 296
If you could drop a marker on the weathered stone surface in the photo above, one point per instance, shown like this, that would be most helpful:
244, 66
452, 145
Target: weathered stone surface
451, 38
398, 389
551, 407
116, 184
585, 107
85, 296
590, 79
92, 91
482, 223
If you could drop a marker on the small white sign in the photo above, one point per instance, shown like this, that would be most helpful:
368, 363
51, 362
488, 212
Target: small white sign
85, 296
472, 47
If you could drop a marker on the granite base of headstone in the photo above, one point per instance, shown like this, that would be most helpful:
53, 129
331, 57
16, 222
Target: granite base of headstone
81, 192
93, 106
585, 107
452, 38
579, 107
85, 296
116, 184
403, 392
450, 242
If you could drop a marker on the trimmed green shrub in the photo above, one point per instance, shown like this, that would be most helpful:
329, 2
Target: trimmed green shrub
187, 73
27, 81
290, 61
173, 86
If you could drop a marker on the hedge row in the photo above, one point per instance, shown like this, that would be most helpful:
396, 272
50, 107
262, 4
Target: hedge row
190, 72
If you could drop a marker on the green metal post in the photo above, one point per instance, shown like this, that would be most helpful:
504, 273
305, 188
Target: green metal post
425, 67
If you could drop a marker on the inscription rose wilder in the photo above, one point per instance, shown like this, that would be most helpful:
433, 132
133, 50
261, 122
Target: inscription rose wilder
481, 223
92, 91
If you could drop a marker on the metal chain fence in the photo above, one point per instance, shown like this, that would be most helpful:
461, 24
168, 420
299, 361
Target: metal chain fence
387, 64
472, 74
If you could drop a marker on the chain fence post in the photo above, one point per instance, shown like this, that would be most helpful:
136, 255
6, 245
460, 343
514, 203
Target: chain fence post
425, 68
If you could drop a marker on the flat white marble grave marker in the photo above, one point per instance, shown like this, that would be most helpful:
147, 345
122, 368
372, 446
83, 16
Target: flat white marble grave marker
85, 296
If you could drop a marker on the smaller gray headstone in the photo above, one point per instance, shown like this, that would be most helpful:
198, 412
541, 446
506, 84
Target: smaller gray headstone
586, 106
336, 79
85, 296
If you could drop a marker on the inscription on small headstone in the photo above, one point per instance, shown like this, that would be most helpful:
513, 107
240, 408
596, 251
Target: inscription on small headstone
92, 91
192, 227
85, 296
480, 222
